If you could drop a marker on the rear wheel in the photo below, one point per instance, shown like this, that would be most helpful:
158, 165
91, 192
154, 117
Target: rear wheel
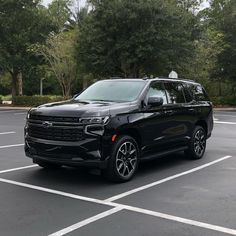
197, 144
123, 162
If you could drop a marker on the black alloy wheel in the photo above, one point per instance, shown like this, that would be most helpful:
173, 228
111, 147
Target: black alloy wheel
124, 160
197, 144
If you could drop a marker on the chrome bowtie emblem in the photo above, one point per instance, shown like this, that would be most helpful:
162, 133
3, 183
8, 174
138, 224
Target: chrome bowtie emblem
47, 124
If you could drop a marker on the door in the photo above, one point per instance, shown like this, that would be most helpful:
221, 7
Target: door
178, 129
154, 123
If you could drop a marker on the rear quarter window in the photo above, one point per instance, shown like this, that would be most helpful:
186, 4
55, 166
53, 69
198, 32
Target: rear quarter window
200, 94
195, 92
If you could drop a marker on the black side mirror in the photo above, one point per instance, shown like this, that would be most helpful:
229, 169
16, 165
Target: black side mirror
155, 101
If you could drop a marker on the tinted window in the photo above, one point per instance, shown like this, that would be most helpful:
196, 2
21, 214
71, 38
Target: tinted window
117, 91
200, 94
189, 92
157, 90
175, 93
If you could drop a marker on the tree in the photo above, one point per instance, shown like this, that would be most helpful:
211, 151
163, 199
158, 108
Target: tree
135, 38
23, 23
60, 13
59, 52
222, 16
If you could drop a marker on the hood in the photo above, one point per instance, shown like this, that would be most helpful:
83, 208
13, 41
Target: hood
74, 108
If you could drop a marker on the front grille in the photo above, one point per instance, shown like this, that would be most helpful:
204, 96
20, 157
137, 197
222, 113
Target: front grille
54, 118
57, 128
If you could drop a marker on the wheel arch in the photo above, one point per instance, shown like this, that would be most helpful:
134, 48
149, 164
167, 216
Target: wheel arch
132, 132
203, 124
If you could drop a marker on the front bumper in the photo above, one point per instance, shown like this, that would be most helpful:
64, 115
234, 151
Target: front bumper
90, 152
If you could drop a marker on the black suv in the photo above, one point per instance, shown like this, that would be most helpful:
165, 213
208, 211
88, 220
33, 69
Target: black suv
115, 124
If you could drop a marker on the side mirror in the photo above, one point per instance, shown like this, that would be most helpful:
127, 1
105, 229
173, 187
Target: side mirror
155, 101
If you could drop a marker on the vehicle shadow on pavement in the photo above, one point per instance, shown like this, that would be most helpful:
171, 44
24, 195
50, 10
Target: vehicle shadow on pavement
85, 176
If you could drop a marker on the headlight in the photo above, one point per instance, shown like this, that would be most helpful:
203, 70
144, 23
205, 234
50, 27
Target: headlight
94, 120
27, 116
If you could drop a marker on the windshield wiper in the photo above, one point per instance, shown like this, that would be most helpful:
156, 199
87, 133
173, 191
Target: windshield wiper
101, 100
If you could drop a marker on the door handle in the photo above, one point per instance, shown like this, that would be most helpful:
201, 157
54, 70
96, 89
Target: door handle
191, 109
169, 112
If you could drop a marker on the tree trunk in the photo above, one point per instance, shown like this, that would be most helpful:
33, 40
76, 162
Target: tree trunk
20, 84
14, 77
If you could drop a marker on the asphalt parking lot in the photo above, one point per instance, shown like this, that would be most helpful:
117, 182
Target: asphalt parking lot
169, 196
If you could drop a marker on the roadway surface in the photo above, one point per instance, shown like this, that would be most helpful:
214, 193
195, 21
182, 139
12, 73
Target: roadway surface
169, 196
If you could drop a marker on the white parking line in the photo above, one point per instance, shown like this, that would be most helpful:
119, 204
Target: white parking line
20, 113
56, 192
119, 207
10, 111
224, 122
182, 220
14, 145
11, 132
156, 214
225, 115
18, 168
125, 194
87, 221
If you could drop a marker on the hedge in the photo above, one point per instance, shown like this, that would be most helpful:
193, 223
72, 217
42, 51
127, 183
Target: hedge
224, 101
31, 101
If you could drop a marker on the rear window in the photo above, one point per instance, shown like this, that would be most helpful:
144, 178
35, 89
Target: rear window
195, 92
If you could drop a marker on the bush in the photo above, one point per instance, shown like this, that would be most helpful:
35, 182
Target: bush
31, 101
224, 101
0, 100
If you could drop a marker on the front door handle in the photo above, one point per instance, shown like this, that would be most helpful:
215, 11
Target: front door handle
169, 112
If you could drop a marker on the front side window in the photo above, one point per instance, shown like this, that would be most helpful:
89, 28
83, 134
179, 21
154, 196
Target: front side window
114, 91
175, 93
157, 90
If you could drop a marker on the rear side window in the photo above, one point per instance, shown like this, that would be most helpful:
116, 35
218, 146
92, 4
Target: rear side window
157, 90
189, 92
200, 94
174, 92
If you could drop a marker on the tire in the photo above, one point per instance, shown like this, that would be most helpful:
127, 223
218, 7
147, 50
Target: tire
123, 163
48, 165
197, 145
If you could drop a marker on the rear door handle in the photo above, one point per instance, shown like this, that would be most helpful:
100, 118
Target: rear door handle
191, 109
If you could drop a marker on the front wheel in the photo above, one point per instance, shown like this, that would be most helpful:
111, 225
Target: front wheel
124, 159
197, 144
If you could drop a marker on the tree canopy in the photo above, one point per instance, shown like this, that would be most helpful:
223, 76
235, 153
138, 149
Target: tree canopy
134, 38
116, 38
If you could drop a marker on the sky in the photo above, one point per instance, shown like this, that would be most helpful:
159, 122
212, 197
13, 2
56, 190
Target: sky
46, 2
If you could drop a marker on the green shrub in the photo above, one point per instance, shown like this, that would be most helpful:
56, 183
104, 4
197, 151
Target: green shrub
0, 99
31, 101
7, 97
224, 101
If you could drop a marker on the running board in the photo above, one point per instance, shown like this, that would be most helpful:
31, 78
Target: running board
164, 153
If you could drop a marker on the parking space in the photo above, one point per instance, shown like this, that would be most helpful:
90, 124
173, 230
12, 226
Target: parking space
30, 212
135, 224
169, 196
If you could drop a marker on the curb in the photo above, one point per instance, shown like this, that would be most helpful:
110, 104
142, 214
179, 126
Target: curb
14, 108
225, 109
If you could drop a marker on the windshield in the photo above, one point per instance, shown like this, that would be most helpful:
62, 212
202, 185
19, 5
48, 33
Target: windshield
114, 91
